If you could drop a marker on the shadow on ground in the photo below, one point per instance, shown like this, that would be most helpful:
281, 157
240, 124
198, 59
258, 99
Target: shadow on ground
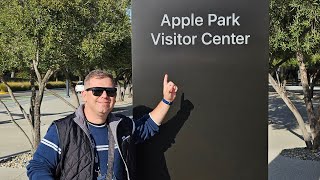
280, 115
125, 110
18, 117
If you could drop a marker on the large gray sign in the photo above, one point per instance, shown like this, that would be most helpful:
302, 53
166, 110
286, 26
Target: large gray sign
217, 54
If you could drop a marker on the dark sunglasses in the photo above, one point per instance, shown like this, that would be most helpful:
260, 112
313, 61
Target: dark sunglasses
98, 91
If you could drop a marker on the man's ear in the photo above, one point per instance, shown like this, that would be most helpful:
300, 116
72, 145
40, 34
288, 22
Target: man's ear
84, 95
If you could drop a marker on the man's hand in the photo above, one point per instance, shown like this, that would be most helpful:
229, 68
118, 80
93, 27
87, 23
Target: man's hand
169, 94
169, 89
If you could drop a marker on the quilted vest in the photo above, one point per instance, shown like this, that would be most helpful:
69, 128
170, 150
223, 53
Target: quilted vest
77, 151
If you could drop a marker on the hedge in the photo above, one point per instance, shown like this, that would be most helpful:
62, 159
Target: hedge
23, 86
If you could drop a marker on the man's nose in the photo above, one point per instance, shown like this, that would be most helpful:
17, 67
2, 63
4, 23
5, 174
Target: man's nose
104, 94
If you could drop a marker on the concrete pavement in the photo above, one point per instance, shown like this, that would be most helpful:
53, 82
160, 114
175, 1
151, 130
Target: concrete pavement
284, 133
13, 173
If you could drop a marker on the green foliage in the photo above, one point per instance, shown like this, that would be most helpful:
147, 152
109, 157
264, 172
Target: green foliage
315, 59
22, 74
107, 45
13, 41
74, 35
294, 26
23, 86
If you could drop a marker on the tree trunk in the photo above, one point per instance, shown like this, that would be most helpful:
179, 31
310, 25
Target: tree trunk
37, 124
311, 90
119, 94
307, 99
124, 90
42, 81
32, 105
37, 114
313, 80
130, 91
294, 110
127, 85
73, 91
74, 94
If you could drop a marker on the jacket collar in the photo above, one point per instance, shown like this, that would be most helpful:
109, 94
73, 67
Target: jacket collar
80, 119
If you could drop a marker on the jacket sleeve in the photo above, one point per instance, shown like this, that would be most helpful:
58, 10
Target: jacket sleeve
145, 128
46, 157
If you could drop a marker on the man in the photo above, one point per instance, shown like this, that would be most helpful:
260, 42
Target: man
94, 143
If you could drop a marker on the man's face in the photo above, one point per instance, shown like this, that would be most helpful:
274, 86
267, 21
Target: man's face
99, 105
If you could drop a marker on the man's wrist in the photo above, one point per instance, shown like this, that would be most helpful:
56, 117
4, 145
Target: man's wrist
167, 102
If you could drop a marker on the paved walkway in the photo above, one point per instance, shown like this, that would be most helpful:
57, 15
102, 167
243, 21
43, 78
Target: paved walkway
283, 134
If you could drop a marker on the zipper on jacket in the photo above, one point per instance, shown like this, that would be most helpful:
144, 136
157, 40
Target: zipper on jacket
120, 152
92, 145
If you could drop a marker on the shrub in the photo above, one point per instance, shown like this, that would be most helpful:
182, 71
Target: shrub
56, 84
18, 86
23, 86
3, 88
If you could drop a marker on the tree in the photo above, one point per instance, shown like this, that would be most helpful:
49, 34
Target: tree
103, 36
295, 34
44, 36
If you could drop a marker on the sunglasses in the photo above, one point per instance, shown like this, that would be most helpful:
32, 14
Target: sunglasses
98, 91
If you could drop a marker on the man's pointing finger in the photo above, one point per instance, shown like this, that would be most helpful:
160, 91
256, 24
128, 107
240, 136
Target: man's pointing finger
165, 80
